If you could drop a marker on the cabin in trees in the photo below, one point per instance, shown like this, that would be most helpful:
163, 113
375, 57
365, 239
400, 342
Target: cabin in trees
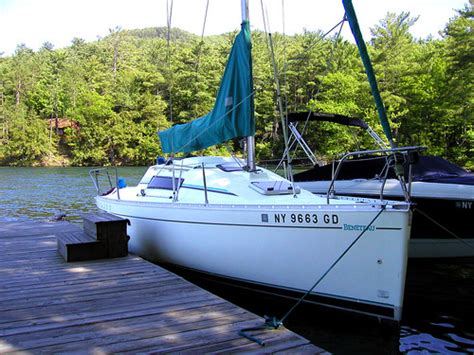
60, 124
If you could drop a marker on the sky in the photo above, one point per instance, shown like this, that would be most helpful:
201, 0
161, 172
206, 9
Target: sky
34, 22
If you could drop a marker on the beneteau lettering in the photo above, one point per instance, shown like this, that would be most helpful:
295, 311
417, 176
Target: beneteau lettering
358, 227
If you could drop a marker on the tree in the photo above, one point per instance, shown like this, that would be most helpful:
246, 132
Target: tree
458, 127
117, 91
394, 62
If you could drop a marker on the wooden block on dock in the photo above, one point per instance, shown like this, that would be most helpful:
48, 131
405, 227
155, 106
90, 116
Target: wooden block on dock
78, 246
109, 229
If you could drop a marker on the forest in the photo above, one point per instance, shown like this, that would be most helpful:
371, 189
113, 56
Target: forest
103, 102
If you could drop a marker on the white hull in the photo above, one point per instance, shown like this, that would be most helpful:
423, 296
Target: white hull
286, 246
446, 203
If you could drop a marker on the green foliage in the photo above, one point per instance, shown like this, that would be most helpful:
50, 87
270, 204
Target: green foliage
119, 91
459, 126
28, 139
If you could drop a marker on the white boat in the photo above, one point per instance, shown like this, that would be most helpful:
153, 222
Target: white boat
228, 218
249, 227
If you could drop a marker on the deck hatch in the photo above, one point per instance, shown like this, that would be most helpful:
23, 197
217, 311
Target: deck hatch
274, 187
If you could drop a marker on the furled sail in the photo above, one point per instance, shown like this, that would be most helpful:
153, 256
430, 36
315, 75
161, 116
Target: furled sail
233, 112
354, 24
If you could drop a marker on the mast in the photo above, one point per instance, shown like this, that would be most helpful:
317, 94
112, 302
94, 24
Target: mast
233, 114
250, 139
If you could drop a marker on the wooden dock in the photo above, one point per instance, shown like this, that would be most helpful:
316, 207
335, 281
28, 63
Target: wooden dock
115, 305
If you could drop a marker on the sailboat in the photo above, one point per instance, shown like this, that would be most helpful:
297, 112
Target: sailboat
443, 193
229, 218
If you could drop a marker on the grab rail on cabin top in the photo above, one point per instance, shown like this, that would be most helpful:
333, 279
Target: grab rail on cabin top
95, 175
388, 152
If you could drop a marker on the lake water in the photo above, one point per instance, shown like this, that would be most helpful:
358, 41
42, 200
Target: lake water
438, 314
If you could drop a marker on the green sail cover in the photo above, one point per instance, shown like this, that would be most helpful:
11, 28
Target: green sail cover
354, 24
233, 112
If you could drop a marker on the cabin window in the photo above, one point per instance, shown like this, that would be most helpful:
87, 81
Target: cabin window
165, 182
274, 187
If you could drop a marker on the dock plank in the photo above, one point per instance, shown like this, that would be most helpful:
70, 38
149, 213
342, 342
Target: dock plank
125, 305
92, 331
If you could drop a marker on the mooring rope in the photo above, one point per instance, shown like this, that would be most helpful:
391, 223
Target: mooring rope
273, 322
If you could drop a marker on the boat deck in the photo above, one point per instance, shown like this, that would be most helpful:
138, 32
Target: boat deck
116, 305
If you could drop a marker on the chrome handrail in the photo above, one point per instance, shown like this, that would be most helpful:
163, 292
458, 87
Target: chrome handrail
345, 156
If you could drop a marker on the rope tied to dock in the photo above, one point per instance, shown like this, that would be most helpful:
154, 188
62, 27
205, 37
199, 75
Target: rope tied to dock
273, 323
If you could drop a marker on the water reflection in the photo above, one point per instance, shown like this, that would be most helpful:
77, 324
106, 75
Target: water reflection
438, 308
420, 343
438, 337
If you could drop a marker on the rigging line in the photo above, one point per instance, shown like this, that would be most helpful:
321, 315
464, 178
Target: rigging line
470, 245
268, 21
283, 117
202, 37
285, 84
340, 24
199, 52
283, 16
273, 322
280, 108
169, 14
326, 70
318, 40
205, 19
265, 27
285, 78
233, 156
284, 124
267, 42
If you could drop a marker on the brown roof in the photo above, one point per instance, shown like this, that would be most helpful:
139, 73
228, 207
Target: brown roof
62, 123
